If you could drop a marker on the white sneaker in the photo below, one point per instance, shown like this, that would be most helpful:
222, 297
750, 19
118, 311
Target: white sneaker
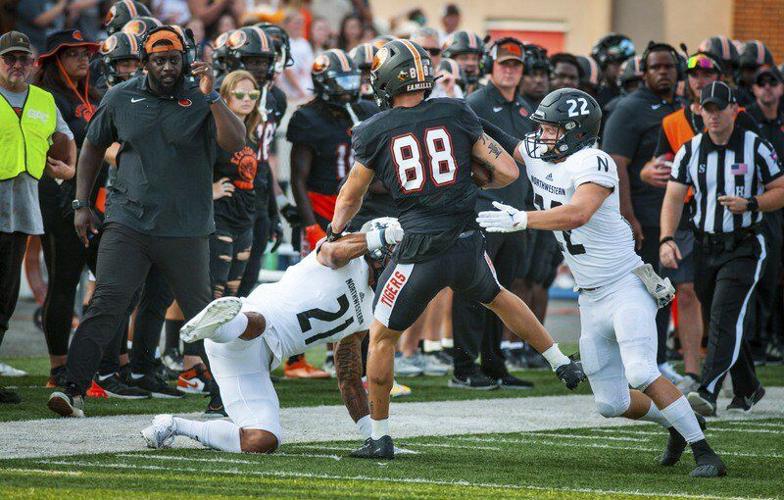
430, 365
669, 372
406, 367
10, 371
688, 384
217, 313
161, 433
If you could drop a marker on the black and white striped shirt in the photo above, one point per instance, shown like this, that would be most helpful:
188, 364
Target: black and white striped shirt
741, 168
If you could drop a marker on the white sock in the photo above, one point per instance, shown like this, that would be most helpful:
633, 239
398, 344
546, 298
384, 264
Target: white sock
681, 416
447, 343
231, 330
364, 426
555, 357
655, 415
432, 345
217, 434
380, 428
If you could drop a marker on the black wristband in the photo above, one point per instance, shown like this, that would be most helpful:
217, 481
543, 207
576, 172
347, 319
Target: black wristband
753, 204
506, 141
331, 236
665, 240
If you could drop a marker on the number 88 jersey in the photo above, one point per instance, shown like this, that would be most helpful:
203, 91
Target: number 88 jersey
602, 250
422, 154
312, 305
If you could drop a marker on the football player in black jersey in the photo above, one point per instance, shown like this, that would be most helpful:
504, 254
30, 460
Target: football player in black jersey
362, 55
423, 151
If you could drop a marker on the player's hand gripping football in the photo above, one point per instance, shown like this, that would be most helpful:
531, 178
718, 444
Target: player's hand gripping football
504, 220
571, 374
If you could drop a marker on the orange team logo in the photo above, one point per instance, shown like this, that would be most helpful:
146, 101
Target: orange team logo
320, 64
109, 44
78, 35
84, 112
237, 39
185, 103
523, 111
247, 164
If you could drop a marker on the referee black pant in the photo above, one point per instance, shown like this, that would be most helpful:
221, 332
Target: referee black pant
726, 278
124, 260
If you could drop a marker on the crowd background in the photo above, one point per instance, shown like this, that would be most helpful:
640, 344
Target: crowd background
578, 51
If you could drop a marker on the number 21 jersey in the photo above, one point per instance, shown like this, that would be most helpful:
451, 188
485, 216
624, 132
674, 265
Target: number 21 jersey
602, 250
313, 304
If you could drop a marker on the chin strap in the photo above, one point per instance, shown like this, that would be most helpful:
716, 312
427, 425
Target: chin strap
354, 119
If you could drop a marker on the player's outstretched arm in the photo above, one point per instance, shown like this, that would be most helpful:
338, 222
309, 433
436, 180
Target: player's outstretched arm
488, 153
348, 365
350, 196
338, 253
587, 199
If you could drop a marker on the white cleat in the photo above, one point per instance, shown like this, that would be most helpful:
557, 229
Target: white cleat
217, 313
668, 371
10, 371
160, 434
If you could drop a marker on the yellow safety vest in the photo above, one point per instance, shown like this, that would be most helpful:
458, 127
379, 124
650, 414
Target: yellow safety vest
24, 140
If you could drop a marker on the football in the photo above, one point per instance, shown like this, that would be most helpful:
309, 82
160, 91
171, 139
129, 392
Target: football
59, 147
480, 174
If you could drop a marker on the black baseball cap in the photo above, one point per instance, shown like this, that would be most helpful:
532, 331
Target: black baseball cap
718, 93
451, 10
773, 71
15, 41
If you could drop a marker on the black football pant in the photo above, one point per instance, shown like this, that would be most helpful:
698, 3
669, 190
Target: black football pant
261, 230
649, 253
155, 299
476, 330
726, 282
12, 250
125, 257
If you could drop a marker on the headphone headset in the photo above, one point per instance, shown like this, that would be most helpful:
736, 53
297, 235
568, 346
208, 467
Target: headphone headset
190, 48
661, 47
491, 53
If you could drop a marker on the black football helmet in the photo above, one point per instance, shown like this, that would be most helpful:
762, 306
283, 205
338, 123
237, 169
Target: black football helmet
724, 50
362, 55
755, 54
465, 42
612, 48
631, 74
576, 113
141, 25
122, 12
220, 54
280, 40
382, 40
590, 74
251, 42
118, 47
336, 79
401, 66
535, 59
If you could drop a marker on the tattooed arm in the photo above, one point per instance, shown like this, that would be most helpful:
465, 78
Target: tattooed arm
488, 153
348, 364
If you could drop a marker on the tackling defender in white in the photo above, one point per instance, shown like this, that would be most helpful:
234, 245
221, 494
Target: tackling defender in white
327, 297
576, 193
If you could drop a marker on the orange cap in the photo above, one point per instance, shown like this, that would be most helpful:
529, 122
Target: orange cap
163, 41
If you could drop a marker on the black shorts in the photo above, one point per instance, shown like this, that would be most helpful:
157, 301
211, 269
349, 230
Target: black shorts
404, 290
545, 259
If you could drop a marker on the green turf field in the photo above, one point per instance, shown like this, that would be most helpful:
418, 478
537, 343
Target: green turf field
617, 462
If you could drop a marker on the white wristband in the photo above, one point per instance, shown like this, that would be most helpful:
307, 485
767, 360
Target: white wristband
555, 357
375, 239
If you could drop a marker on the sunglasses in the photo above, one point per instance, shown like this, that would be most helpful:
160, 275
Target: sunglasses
11, 60
239, 95
768, 82
433, 51
701, 62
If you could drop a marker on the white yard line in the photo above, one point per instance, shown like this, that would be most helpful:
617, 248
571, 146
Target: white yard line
525, 439
55, 437
413, 480
227, 460
734, 430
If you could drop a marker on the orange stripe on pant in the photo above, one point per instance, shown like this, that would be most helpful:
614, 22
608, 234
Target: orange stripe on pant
323, 204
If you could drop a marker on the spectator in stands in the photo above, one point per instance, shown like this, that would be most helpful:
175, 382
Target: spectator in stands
37, 18
211, 11
296, 81
630, 137
320, 36
351, 32
172, 11
23, 161
450, 21
446, 85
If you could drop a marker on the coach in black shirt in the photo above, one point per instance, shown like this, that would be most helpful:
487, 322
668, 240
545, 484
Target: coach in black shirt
630, 137
476, 329
159, 209
735, 176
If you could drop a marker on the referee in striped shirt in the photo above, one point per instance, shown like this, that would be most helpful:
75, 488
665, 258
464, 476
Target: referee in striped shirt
735, 175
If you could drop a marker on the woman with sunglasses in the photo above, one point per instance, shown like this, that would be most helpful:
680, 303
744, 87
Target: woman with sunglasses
235, 210
65, 72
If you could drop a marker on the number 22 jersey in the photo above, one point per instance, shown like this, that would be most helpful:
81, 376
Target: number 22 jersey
312, 305
602, 250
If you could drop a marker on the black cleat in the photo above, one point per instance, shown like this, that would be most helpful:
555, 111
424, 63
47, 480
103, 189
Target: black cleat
156, 386
381, 448
708, 462
8, 396
676, 444
744, 404
511, 382
476, 382
215, 407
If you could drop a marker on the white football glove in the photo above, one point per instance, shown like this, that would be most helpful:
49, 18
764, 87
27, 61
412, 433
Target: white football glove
505, 220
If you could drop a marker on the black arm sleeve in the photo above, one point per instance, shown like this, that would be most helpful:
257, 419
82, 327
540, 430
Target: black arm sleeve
508, 142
